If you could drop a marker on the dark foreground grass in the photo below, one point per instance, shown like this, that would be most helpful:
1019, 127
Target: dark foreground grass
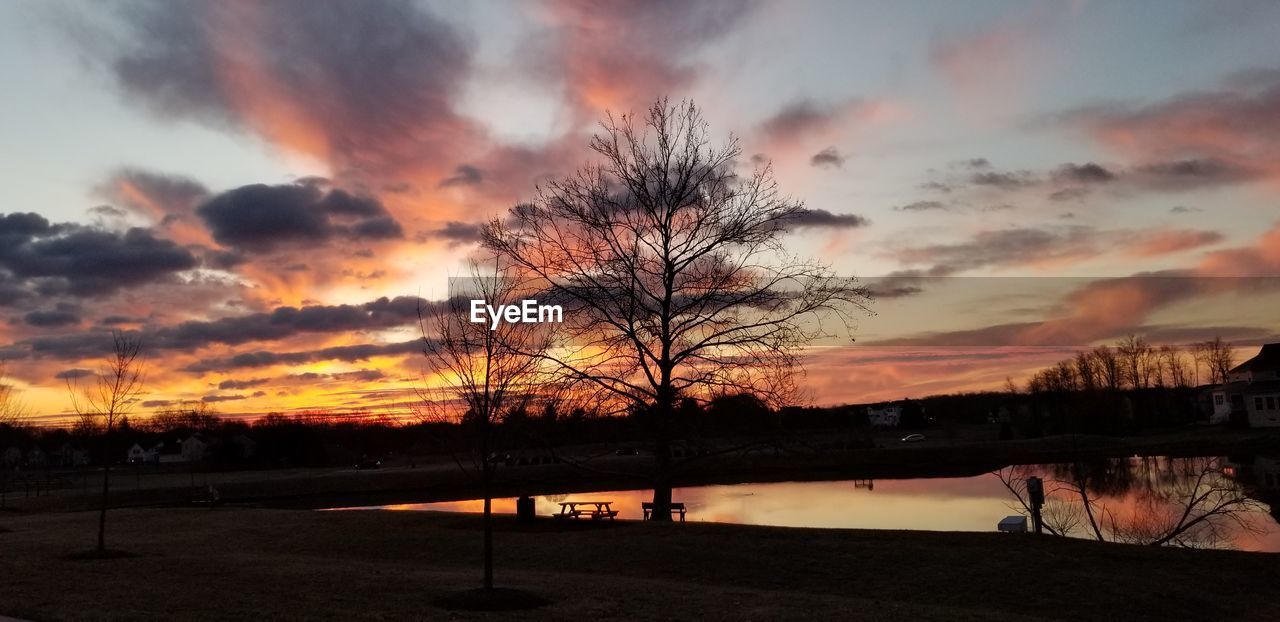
231, 564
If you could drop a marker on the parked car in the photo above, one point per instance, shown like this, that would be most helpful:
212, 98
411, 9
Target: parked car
365, 465
627, 451
913, 438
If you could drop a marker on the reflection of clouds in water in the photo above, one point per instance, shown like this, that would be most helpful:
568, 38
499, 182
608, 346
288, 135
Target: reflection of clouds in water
1195, 502
973, 506
937, 504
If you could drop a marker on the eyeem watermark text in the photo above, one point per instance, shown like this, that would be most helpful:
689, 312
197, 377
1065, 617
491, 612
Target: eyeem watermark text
528, 311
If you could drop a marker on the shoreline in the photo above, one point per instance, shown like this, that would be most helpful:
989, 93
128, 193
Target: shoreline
444, 481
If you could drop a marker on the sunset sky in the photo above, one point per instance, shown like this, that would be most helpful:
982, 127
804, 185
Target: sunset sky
263, 190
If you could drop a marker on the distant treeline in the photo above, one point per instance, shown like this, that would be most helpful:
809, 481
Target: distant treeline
324, 439
1134, 364
1107, 390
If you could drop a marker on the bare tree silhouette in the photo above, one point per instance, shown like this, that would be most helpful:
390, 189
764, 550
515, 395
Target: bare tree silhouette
12, 413
1219, 357
673, 274
1189, 503
489, 371
101, 406
12, 410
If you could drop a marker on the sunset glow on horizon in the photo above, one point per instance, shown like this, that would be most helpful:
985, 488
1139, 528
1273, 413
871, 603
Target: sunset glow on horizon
268, 192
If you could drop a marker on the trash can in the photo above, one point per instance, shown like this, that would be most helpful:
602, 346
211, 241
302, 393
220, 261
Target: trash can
524, 509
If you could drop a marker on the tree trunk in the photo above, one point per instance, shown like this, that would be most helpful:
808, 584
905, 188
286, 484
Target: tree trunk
661, 483
487, 519
662, 468
488, 542
661, 472
102, 515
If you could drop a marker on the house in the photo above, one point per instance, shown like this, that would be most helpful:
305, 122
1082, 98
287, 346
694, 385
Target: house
245, 446
1252, 391
886, 416
1264, 366
143, 455
69, 456
195, 447
169, 453
136, 454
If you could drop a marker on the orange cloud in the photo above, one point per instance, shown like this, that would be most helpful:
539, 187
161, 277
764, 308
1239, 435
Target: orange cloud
1168, 241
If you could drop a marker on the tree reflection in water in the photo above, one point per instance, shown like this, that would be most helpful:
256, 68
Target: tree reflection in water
1190, 502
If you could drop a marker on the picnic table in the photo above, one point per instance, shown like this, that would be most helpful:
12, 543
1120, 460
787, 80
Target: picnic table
596, 510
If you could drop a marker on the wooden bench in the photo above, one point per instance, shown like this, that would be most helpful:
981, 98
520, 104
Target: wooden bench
675, 507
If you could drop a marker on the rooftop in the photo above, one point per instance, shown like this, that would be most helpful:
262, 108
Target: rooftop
1268, 358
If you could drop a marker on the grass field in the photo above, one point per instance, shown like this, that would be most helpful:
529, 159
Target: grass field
233, 563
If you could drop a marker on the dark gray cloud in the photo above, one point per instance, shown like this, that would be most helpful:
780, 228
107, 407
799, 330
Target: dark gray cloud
1182, 209
1088, 173
1004, 180
211, 399
108, 211
1191, 174
278, 324
1003, 247
820, 218
362, 375
1074, 182
805, 118
68, 347
57, 259
922, 206
1031, 246
63, 314
72, 374
260, 218
240, 385
116, 320
463, 175
937, 186
263, 358
455, 233
223, 259
285, 322
1068, 194
829, 158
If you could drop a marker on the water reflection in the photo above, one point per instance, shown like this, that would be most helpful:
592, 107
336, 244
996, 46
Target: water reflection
1203, 502
1131, 500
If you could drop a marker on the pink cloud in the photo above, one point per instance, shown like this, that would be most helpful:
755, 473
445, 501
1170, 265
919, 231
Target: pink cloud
1236, 125
1170, 241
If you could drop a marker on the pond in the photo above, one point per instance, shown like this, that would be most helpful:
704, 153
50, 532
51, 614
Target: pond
1205, 502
